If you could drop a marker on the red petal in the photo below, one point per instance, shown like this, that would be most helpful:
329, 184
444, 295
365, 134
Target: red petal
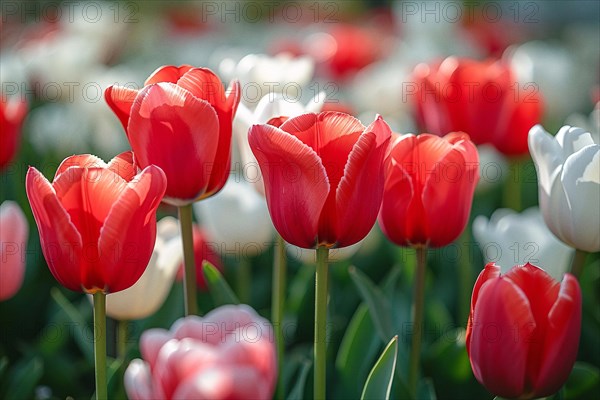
79, 160
60, 241
448, 193
394, 216
174, 130
518, 118
14, 231
490, 271
498, 346
128, 234
88, 194
296, 183
123, 165
360, 191
167, 73
562, 339
120, 99
205, 85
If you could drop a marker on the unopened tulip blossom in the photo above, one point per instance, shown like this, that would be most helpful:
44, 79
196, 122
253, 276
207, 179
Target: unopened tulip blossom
429, 189
323, 176
227, 354
568, 168
14, 232
480, 98
180, 121
523, 331
96, 220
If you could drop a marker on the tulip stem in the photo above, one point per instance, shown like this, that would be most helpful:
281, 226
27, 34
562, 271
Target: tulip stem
418, 308
277, 307
465, 283
512, 187
578, 263
320, 349
189, 276
100, 344
122, 327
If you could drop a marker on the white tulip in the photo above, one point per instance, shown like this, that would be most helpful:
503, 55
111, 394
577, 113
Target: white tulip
509, 238
146, 296
270, 106
568, 168
260, 74
236, 219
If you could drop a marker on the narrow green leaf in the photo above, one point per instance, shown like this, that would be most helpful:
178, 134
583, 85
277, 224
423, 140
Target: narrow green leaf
24, 379
379, 381
219, 289
297, 392
379, 306
83, 335
357, 350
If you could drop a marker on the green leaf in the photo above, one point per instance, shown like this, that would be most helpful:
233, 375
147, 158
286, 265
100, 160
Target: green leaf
357, 350
583, 383
379, 306
24, 379
219, 289
84, 342
379, 381
297, 392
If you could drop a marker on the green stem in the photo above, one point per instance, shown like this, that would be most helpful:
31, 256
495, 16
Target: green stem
418, 306
277, 307
578, 263
320, 349
122, 327
512, 186
465, 276
244, 277
189, 277
100, 344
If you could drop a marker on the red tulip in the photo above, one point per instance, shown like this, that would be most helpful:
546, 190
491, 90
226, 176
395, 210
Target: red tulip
96, 221
227, 354
323, 176
180, 121
523, 331
429, 188
482, 99
13, 241
12, 114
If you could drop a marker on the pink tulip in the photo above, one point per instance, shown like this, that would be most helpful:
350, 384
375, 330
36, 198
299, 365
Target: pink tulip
13, 239
228, 354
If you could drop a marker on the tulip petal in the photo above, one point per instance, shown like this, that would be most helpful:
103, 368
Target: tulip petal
151, 342
450, 186
60, 241
130, 249
171, 128
138, 381
572, 139
205, 85
547, 156
167, 73
296, 183
519, 117
561, 339
581, 182
79, 160
123, 165
498, 345
358, 196
120, 99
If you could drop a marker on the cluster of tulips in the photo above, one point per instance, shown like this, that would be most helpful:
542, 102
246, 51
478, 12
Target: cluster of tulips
326, 178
